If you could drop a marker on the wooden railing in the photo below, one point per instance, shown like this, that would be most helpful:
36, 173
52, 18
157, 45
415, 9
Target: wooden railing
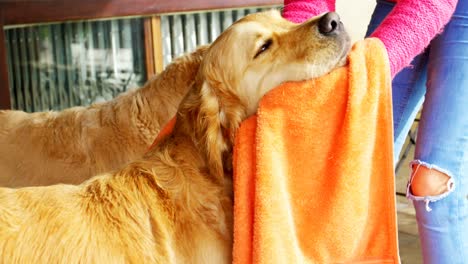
33, 11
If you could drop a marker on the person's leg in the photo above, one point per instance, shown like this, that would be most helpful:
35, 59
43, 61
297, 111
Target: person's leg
439, 182
408, 86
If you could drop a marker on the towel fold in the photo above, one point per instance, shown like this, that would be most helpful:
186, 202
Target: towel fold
313, 169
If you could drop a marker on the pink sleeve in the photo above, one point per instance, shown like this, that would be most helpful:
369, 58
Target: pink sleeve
406, 31
410, 26
300, 10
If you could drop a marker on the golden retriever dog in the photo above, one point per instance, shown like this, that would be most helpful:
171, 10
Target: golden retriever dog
174, 205
72, 145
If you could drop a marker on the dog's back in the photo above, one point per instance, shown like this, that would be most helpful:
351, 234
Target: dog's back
130, 216
65, 147
72, 145
35, 229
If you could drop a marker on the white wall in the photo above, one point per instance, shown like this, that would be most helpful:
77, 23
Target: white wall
355, 15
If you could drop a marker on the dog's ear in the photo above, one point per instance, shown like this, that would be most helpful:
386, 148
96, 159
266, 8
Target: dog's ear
210, 132
221, 112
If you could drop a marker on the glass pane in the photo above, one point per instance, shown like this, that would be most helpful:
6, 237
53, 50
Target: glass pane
182, 33
56, 66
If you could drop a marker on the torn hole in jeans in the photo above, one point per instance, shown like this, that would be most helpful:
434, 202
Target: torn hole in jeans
415, 165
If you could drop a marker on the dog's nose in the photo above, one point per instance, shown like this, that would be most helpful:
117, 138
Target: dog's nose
328, 23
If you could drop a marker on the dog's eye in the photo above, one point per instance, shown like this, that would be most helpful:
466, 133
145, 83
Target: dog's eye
264, 47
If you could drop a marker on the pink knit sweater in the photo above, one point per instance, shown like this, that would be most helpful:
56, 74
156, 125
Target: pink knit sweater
405, 32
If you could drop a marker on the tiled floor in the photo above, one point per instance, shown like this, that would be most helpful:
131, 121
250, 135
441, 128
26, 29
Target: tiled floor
410, 248
408, 239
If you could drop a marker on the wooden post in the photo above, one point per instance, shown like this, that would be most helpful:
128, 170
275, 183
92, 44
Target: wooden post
149, 56
153, 46
157, 43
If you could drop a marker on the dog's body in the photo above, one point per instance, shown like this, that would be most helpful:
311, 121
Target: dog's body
128, 217
175, 204
72, 145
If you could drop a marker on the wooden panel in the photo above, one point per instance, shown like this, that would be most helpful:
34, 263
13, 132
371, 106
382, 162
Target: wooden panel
33, 11
153, 46
157, 44
4, 86
149, 55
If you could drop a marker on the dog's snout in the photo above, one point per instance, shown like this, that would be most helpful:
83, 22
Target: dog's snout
329, 23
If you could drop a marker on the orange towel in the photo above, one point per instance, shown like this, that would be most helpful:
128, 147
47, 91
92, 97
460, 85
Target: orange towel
313, 170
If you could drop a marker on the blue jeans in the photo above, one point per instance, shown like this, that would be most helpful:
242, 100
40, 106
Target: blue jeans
437, 81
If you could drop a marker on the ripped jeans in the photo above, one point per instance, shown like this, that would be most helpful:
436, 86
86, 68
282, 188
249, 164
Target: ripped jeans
437, 81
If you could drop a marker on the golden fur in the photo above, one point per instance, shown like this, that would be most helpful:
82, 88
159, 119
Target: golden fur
175, 204
72, 145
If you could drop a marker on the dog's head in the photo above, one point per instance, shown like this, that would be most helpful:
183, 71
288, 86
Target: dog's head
251, 57
263, 50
